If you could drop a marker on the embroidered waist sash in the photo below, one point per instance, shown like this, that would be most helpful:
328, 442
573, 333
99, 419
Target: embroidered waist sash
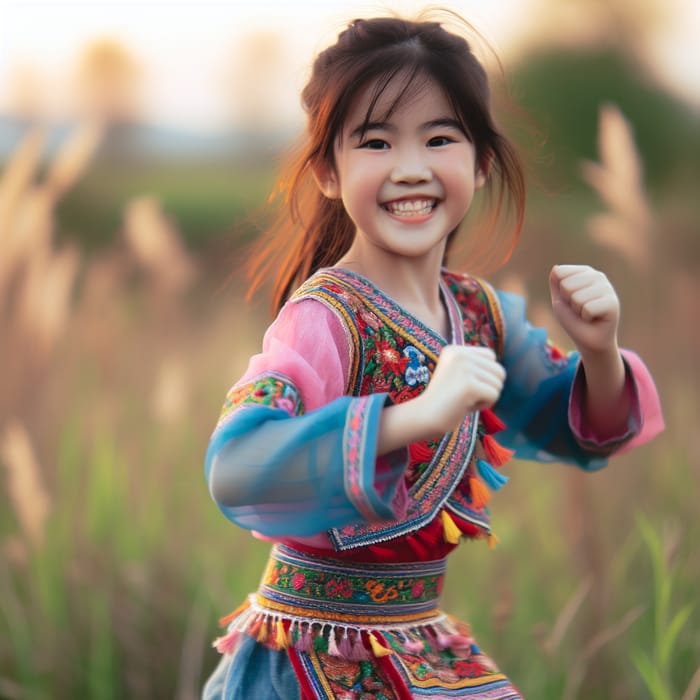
377, 625
300, 585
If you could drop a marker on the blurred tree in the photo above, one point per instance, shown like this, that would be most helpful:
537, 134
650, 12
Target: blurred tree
563, 90
582, 54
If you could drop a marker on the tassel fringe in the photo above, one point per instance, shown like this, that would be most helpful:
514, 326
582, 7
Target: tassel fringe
479, 493
450, 531
355, 644
491, 422
378, 649
493, 479
496, 454
281, 638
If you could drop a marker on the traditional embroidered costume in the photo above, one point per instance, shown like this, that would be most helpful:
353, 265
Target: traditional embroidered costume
348, 606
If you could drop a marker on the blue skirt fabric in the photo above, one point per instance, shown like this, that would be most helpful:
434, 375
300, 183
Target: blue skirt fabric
253, 673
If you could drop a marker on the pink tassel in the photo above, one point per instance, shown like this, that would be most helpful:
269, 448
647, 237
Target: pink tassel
345, 647
413, 646
358, 652
444, 641
227, 643
304, 642
332, 644
460, 644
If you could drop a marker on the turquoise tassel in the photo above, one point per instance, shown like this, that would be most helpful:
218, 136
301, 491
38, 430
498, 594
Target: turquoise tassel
493, 479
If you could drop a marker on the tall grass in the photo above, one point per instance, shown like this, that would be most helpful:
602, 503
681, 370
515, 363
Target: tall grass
115, 565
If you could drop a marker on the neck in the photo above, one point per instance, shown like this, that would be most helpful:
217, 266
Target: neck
413, 283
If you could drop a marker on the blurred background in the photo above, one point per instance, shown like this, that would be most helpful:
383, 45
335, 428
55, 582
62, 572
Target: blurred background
138, 145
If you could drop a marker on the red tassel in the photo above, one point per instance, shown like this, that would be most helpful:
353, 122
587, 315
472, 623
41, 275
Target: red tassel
479, 493
491, 422
496, 454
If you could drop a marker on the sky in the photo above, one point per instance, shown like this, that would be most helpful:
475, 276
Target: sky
191, 53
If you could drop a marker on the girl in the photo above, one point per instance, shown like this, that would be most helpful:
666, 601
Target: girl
361, 440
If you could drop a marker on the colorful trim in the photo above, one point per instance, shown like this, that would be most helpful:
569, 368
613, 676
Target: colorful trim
370, 593
426, 496
271, 389
323, 288
359, 431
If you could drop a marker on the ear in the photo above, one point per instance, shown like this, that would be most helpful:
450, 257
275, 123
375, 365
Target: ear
483, 170
327, 181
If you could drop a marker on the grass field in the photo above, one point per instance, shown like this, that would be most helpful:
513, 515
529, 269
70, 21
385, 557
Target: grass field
118, 342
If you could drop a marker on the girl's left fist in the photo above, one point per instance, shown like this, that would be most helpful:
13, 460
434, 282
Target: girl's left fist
586, 306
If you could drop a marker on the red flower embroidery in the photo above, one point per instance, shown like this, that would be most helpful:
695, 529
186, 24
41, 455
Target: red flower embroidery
418, 588
342, 588
389, 358
298, 581
408, 392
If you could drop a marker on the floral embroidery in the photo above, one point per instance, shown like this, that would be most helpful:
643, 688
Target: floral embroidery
308, 583
416, 371
271, 390
480, 327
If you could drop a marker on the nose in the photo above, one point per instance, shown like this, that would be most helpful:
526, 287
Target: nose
411, 169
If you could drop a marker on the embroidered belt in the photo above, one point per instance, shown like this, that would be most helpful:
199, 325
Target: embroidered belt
301, 585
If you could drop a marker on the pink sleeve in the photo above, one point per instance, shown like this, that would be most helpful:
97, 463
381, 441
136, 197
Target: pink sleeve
645, 422
308, 343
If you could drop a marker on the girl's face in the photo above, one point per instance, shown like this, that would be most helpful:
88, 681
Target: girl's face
409, 179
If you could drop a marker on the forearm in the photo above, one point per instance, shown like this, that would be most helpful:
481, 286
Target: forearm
607, 405
402, 424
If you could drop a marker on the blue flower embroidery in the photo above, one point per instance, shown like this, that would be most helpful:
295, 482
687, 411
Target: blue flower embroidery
416, 372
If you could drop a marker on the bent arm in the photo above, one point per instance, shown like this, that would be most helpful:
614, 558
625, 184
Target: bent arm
545, 404
292, 456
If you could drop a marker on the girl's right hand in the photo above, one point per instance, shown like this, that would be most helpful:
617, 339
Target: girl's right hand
466, 378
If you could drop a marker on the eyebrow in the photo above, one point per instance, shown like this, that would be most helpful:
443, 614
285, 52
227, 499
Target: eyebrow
440, 122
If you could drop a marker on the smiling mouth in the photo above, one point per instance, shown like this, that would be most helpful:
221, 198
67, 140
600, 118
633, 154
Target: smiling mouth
411, 207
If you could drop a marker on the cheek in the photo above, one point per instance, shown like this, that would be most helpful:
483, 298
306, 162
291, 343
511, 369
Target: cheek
360, 188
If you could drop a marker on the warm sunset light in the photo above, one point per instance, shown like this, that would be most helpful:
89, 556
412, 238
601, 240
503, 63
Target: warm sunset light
206, 64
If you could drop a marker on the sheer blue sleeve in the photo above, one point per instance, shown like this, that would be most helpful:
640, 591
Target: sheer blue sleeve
535, 401
289, 460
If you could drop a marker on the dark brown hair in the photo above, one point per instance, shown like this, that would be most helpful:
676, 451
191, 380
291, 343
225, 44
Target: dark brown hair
312, 231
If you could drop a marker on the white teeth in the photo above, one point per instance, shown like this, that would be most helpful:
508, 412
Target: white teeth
411, 207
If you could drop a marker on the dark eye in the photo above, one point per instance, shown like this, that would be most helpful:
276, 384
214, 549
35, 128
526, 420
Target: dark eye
437, 141
375, 145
